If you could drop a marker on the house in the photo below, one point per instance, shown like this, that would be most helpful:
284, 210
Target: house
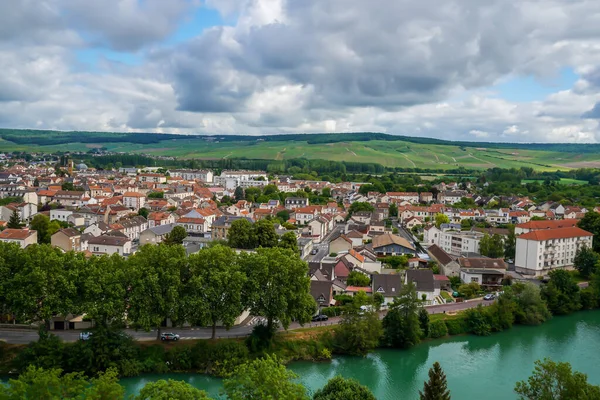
339, 244
322, 292
448, 265
194, 226
391, 245
67, 239
69, 198
109, 245
133, 227
151, 178
205, 176
426, 197
424, 283
487, 272
23, 237
134, 200
291, 203
304, 215
159, 218
388, 285
397, 197
222, 224
60, 214
457, 243
155, 234
431, 235
540, 251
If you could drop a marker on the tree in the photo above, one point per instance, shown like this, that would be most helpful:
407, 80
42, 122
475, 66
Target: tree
68, 186
265, 234
424, 321
14, 221
339, 388
143, 212
561, 293
156, 195
41, 223
278, 286
469, 290
585, 261
531, 308
491, 246
393, 210
510, 244
591, 223
241, 234
437, 387
556, 381
465, 224
239, 193
283, 215
214, 290
359, 330
176, 236
401, 324
265, 378
44, 284
104, 289
155, 273
356, 278
170, 389
441, 219
359, 206
41, 384
288, 241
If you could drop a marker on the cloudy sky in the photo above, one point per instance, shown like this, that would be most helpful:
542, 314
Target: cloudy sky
493, 70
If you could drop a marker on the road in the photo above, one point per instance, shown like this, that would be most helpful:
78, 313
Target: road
323, 246
24, 336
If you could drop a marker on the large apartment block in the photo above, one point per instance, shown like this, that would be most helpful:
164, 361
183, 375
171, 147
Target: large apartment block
541, 251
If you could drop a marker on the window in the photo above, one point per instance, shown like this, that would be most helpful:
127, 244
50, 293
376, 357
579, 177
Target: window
475, 279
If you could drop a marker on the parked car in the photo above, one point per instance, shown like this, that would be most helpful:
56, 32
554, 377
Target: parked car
489, 296
169, 336
85, 336
320, 317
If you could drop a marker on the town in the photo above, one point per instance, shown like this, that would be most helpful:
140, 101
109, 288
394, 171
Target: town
449, 240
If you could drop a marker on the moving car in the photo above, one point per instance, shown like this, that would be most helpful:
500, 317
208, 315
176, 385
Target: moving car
489, 296
169, 336
85, 336
314, 251
320, 317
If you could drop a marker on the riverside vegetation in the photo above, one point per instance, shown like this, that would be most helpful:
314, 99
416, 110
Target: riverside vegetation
39, 282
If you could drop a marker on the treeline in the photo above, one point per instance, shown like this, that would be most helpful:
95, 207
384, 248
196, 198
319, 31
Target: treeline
157, 283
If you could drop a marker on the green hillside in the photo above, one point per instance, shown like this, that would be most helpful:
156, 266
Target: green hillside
387, 150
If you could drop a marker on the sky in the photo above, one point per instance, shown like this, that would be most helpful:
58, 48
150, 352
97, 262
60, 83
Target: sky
493, 70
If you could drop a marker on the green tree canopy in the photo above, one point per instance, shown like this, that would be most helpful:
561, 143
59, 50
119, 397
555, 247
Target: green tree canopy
14, 221
278, 286
556, 381
215, 287
356, 278
340, 388
170, 390
401, 324
241, 234
41, 223
591, 223
176, 236
264, 233
586, 261
441, 219
288, 241
436, 388
155, 281
265, 378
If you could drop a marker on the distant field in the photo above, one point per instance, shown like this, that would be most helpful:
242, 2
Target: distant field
390, 153
563, 181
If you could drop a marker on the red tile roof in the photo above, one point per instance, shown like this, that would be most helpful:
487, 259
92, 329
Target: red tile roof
16, 234
534, 225
560, 233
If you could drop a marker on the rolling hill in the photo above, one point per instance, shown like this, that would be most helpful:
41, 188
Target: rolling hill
387, 150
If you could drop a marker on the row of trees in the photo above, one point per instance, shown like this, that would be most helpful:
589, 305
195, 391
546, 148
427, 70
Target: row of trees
158, 282
244, 234
267, 378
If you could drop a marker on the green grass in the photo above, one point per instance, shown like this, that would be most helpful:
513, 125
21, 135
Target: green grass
563, 181
446, 296
404, 154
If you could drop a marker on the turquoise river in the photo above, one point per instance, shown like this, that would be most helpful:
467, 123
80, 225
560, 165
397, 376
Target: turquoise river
476, 367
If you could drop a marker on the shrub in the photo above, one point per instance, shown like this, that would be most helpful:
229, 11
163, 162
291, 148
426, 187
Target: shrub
180, 358
477, 322
225, 356
261, 338
331, 311
46, 353
438, 329
457, 326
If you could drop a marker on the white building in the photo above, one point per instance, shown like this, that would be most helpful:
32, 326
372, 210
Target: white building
245, 179
457, 243
541, 251
134, 200
109, 245
191, 174
60, 214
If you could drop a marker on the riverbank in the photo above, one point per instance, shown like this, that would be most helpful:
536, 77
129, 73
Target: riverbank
476, 366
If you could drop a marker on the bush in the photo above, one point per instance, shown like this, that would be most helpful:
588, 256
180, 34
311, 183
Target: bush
46, 353
477, 322
261, 338
331, 311
457, 325
180, 359
438, 329
343, 299
153, 359
224, 356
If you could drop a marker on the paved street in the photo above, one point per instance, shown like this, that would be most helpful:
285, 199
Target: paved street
25, 336
323, 247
